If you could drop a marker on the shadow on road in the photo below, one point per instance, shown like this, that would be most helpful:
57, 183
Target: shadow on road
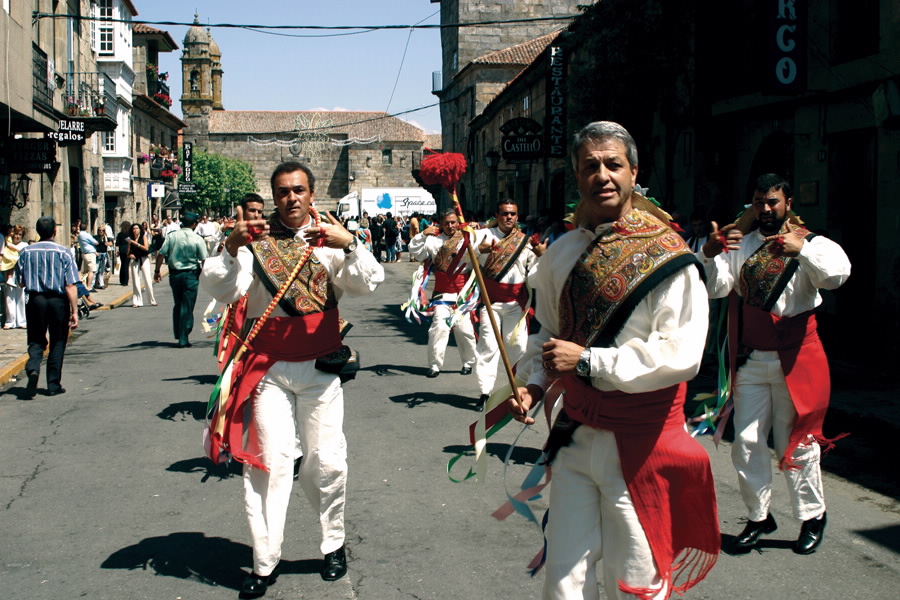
889, 537
202, 464
520, 455
214, 561
197, 410
415, 399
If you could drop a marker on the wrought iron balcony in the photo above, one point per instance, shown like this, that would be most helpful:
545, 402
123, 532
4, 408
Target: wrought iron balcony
159, 91
92, 96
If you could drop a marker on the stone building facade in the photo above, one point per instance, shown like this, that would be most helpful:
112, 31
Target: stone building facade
347, 151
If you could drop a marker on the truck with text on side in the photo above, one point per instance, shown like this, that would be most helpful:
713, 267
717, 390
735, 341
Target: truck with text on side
380, 201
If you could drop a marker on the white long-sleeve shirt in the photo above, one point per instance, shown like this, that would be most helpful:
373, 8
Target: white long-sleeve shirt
823, 265
227, 278
661, 343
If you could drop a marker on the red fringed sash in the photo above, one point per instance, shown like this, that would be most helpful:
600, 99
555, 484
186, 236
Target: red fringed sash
445, 283
276, 340
805, 366
668, 475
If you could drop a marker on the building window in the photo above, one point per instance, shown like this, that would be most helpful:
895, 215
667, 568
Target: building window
195, 81
105, 29
109, 141
387, 157
526, 106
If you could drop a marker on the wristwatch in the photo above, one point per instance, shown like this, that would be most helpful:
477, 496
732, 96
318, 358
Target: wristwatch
349, 249
583, 368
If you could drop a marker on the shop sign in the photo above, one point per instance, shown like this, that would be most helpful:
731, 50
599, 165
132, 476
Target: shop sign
69, 133
188, 162
27, 155
555, 119
786, 46
522, 140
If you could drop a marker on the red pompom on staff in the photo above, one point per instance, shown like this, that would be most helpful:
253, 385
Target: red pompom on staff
446, 169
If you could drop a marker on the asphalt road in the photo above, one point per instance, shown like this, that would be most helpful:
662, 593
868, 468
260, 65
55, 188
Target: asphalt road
106, 494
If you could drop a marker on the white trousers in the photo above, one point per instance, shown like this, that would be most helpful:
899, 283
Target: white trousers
592, 517
487, 351
15, 306
439, 335
293, 400
762, 403
138, 269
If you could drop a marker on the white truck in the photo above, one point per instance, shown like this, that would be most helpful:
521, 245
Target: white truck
380, 201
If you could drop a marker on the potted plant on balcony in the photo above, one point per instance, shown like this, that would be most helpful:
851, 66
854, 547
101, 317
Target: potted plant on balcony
163, 99
143, 158
73, 106
168, 175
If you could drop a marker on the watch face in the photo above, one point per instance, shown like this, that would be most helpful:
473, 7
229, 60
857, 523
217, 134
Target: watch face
583, 367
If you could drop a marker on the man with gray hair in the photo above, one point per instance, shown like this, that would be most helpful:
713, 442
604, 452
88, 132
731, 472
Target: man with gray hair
624, 317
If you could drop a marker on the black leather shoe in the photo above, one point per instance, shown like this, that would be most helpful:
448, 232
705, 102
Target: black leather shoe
255, 585
482, 401
335, 565
746, 541
31, 387
56, 391
811, 533
465, 371
432, 373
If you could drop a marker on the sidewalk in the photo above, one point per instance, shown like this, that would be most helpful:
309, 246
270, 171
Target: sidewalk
14, 342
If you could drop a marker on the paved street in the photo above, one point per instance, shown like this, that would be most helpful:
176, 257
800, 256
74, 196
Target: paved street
105, 492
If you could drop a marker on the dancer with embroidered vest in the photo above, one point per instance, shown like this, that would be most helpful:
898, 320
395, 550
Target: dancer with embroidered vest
624, 318
507, 255
287, 379
777, 267
445, 246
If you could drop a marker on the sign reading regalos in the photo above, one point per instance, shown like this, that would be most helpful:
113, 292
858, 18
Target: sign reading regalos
70, 133
522, 140
555, 120
786, 44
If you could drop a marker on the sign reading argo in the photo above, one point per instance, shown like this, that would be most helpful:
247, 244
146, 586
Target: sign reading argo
70, 133
522, 140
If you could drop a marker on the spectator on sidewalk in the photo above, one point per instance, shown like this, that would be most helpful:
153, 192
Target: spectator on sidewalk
88, 245
122, 248
48, 273
15, 294
139, 266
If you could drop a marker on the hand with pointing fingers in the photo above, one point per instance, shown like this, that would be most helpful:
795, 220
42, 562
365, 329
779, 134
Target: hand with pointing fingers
722, 240
245, 232
789, 243
331, 234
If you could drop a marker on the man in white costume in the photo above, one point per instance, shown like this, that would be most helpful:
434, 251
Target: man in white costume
506, 256
624, 316
446, 247
283, 381
776, 266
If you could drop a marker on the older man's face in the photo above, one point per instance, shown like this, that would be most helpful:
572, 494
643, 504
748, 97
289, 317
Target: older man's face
606, 180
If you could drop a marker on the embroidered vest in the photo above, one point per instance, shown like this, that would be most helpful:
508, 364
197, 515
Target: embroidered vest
765, 275
616, 271
449, 255
504, 255
275, 257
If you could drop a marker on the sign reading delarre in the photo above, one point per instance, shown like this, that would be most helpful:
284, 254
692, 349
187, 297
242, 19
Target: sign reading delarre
522, 140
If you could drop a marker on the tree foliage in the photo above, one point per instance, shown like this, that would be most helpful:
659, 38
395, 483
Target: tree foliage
222, 182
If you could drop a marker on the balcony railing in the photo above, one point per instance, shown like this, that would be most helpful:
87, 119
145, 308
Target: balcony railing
90, 95
42, 78
159, 91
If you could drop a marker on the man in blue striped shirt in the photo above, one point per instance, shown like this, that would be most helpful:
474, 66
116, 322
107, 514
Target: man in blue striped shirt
49, 275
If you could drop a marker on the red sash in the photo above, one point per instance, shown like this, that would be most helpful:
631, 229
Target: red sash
667, 472
805, 366
275, 341
506, 292
445, 283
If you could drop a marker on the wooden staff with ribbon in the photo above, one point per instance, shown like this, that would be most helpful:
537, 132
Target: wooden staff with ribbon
446, 169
